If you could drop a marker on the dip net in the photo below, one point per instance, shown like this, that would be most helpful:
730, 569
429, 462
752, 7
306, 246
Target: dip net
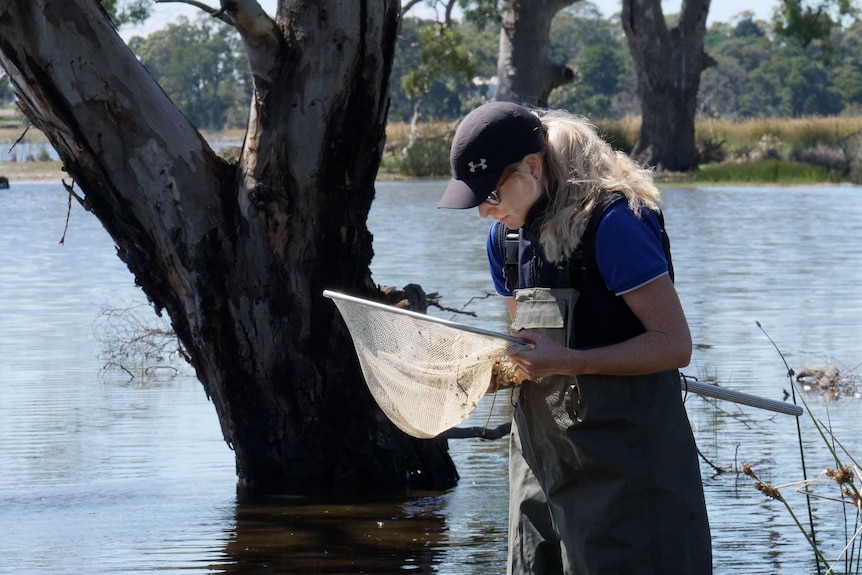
426, 374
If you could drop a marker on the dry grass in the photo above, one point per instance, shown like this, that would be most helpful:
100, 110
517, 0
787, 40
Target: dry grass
818, 140
33, 171
798, 132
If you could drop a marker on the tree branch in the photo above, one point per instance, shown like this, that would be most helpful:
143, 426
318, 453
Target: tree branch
208, 9
405, 8
559, 75
449, 6
259, 32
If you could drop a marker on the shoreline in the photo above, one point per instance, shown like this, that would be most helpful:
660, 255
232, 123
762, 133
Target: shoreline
37, 171
32, 171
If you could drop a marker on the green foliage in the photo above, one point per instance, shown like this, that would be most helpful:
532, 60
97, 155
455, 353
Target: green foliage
7, 95
202, 69
806, 21
767, 172
761, 76
802, 23
127, 12
847, 66
595, 47
443, 58
429, 156
481, 13
440, 49
451, 90
746, 27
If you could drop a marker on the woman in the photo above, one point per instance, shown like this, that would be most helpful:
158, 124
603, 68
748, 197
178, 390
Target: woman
603, 471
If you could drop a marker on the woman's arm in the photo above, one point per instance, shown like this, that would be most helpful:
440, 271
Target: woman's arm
511, 305
666, 344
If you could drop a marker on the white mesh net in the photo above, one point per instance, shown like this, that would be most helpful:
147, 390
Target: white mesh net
426, 374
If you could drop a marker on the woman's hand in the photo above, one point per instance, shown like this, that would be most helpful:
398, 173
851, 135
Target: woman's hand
545, 356
666, 343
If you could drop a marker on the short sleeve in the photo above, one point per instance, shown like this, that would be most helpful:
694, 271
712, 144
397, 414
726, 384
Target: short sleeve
496, 262
629, 251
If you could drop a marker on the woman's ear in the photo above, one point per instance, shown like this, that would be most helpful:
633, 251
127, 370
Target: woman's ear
534, 163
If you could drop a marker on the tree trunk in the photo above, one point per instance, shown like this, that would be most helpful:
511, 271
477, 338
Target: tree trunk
238, 254
525, 73
668, 64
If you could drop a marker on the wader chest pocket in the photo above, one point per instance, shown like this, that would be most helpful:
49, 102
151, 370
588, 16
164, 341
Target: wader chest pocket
547, 310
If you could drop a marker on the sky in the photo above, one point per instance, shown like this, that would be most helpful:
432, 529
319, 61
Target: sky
720, 11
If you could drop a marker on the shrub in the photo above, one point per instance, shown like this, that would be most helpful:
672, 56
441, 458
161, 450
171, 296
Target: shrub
428, 156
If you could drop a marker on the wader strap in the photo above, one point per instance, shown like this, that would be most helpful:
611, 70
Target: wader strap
510, 242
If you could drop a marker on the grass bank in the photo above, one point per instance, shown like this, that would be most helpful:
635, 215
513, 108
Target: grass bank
777, 151
773, 151
33, 171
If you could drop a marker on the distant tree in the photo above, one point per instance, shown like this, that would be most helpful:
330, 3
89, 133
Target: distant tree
442, 50
794, 85
769, 76
7, 94
807, 21
196, 64
728, 89
127, 11
668, 61
525, 71
604, 84
746, 27
847, 67
442, 57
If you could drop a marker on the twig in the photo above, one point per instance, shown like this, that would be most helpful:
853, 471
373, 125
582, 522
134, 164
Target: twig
718, 470
21, 137
452, 309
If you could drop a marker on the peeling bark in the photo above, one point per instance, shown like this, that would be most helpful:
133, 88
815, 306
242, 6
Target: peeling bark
239, 254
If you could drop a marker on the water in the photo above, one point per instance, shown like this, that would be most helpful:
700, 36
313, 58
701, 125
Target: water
101, 473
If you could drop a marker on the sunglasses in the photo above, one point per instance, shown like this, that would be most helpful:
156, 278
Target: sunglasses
493, 198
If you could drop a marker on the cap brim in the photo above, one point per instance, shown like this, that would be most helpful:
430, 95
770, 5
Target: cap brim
464, 194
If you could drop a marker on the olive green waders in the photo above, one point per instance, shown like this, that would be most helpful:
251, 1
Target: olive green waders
603, 472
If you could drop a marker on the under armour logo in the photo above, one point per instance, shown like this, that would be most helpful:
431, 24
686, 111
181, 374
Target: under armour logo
481, 164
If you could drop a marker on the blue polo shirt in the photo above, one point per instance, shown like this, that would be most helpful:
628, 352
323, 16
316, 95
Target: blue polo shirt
629, 251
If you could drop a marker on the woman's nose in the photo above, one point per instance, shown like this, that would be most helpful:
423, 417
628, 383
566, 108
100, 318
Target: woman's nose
485, 209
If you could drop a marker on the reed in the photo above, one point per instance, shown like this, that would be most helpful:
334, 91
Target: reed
834, 484
841, 477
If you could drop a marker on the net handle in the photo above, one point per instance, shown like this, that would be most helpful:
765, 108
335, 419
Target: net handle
725, 394
421, 316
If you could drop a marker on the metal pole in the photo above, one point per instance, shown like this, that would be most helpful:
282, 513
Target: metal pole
717, 392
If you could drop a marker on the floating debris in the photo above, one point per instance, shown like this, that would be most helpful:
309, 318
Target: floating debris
829, 381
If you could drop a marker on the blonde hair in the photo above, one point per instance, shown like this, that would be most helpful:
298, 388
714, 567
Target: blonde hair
580, 172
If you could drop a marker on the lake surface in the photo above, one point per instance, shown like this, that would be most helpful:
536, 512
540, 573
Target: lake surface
102, 472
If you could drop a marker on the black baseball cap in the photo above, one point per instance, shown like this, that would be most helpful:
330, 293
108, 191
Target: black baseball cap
488, 139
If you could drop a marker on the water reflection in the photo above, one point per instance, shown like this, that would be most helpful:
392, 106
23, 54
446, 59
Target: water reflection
106, 475
461, 531
295, 535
